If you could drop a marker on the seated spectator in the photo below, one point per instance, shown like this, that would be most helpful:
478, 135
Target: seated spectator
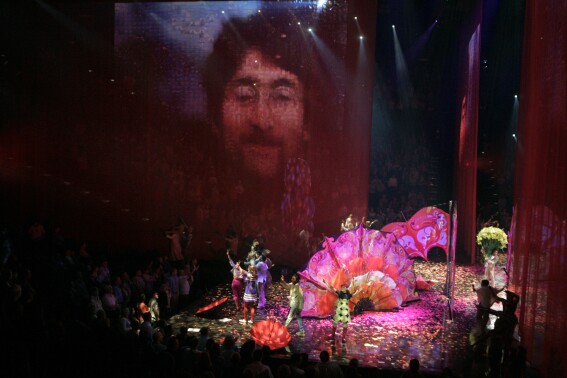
295, 363
413, 369
228, 348
257, 368
352, 370
157, 342
139, 285
190, 355
108, 300
283, 371
146, 329
203, 338
125, 324
95, 303
328, 368
103, 277
117, 291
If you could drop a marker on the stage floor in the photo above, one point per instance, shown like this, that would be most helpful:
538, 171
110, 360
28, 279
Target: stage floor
385, 340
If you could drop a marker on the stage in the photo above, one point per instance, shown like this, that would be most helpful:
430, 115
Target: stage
385, 340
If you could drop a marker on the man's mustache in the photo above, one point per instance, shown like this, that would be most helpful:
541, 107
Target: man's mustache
261, 140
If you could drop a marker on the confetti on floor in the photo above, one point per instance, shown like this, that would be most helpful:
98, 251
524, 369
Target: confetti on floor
386, 340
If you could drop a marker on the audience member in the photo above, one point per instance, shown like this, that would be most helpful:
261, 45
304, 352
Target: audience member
413, 371
154, 307
203, 339
257, 368
328, 368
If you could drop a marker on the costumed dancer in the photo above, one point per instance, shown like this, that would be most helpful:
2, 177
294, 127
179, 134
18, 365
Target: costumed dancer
237, 278
342, 311
295, 303
175, 236
250, 293
262, 269
489, 267
348, 224
252, 257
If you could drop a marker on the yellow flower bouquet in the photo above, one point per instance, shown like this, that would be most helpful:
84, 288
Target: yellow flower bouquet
491, 238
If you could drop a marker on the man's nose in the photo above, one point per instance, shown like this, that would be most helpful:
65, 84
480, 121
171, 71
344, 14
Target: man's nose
262, 115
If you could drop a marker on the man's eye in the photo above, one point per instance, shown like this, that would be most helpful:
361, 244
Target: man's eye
245, 93
283, 94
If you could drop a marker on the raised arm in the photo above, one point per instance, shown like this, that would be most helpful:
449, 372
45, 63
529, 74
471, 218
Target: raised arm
284, 284
358, 291
240, 269
329, 287
231, 262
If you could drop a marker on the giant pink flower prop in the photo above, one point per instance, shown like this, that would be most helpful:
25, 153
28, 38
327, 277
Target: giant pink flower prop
376, 264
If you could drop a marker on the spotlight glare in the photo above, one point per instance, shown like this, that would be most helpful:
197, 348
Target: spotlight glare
356, 18
310, 30
298, 23
515, 96
222, 12
361, 37
393, 26
259, 11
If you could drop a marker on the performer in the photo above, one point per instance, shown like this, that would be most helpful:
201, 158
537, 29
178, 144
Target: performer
348, 224
250, 292
489, 266
262, 269
295, 302
342, 311
175, 235
237, 279
253, 255
487, 296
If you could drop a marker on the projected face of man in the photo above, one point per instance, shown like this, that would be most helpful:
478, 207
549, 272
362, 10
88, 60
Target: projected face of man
262, 115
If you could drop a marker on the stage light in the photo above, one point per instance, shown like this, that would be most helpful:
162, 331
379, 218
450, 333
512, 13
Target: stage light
259, 11
361, 37
513, 135
356, 18
222, 12
436, 21
393, 26
310, 30
515, 96
321, 4
298, 23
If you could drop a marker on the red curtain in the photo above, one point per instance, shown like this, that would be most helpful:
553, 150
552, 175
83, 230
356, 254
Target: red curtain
539, 253
466, 163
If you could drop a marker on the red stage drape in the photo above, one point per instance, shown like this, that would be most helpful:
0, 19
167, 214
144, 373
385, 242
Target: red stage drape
466, 163
539, 266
